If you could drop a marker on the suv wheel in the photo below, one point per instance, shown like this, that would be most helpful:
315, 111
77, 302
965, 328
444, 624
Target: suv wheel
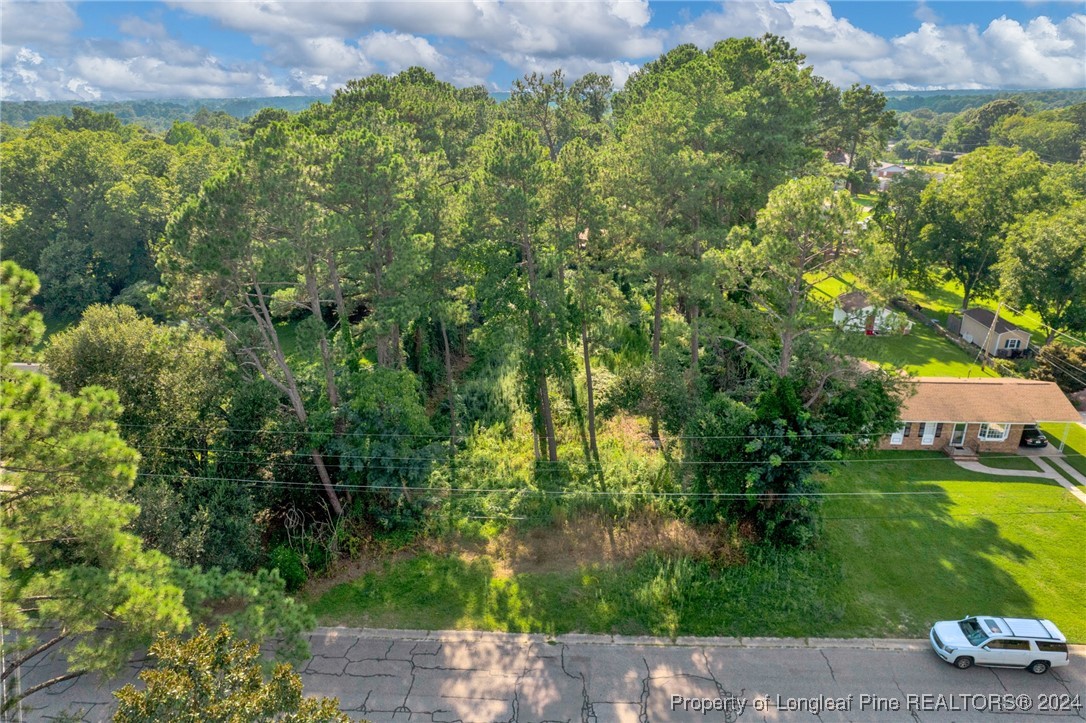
963, 662
1038, 667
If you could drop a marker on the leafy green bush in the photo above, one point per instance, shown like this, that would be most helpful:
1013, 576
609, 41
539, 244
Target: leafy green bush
289, 565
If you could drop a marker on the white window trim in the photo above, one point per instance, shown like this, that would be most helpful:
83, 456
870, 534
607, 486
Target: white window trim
898, 436
927, 440
1017, 343
983, 434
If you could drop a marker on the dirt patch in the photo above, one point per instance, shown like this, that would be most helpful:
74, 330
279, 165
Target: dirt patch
370, 560
587, 540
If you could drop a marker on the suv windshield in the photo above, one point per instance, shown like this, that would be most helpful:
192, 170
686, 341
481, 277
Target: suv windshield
972, 630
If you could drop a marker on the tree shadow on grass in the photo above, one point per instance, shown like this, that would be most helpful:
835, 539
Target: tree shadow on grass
916, 555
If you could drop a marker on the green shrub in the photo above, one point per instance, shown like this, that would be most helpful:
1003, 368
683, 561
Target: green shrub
290, 566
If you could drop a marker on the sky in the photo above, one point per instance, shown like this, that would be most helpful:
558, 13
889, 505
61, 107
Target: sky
104, 50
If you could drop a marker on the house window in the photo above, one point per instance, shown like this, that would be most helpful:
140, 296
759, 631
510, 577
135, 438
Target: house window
898, 435
939, 429
1013, 344
993, 432
908, 429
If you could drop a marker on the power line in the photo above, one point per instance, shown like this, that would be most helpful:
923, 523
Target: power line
1046, 326
381, 435
1055, 363
469, 463
574, 493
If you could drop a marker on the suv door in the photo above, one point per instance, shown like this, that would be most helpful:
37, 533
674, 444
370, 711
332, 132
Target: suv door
1007, 652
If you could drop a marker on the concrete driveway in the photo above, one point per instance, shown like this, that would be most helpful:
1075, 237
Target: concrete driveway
387, 675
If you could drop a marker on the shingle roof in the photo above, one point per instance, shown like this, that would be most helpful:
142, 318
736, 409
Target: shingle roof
853, 301
984, 316
1020, 401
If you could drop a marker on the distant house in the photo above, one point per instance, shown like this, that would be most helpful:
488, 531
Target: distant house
887, 172
854, 311
975, 415
997, 336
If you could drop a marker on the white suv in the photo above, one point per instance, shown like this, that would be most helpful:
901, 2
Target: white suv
1029, 643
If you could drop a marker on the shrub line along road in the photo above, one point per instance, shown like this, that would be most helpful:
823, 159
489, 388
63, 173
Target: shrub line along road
444, 676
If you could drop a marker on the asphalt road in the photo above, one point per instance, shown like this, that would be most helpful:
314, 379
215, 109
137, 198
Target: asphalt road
388, 675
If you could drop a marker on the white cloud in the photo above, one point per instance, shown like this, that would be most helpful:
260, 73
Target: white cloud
523, 34
1005, 54
811, 26
398, 51
315, 47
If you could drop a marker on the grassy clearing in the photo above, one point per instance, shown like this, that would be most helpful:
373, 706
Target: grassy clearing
658, 592
888, 565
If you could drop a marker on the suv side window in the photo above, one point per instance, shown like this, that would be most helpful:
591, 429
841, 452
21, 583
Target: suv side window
1016, 645
1052, 647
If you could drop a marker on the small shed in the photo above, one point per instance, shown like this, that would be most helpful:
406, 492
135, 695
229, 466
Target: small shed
995, 335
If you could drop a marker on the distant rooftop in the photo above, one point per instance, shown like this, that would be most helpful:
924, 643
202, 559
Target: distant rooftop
985, 317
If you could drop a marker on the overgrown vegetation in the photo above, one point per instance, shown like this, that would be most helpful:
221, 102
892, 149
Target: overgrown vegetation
411, 317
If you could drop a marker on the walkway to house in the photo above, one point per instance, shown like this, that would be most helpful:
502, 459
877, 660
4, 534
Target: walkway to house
1046, 472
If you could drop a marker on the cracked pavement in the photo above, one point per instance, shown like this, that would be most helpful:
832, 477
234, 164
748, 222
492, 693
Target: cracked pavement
447, 676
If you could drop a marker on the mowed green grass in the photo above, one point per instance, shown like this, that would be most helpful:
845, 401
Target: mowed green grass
936, 542
945, 297
922, 351
1075, 443
970, 544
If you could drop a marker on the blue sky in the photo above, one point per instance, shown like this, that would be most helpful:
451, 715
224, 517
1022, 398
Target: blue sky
98, 49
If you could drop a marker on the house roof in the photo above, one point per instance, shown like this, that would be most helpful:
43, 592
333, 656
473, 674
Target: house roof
985, 317
853, 301
1018, 401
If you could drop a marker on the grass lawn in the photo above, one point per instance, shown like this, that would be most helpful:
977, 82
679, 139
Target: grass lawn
940, 300
886, 566
1004, 460
975, 544
1075, 447
922, 352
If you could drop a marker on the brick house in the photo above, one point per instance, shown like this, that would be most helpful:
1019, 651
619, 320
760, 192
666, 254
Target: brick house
976, 415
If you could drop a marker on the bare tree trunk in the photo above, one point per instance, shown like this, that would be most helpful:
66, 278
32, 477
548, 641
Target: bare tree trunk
326, 352
396, 357
288, 386
548, 420
657, 319
694, 313
591, 398
544, 393
326, 481
695, 342
450, 384
337, 290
